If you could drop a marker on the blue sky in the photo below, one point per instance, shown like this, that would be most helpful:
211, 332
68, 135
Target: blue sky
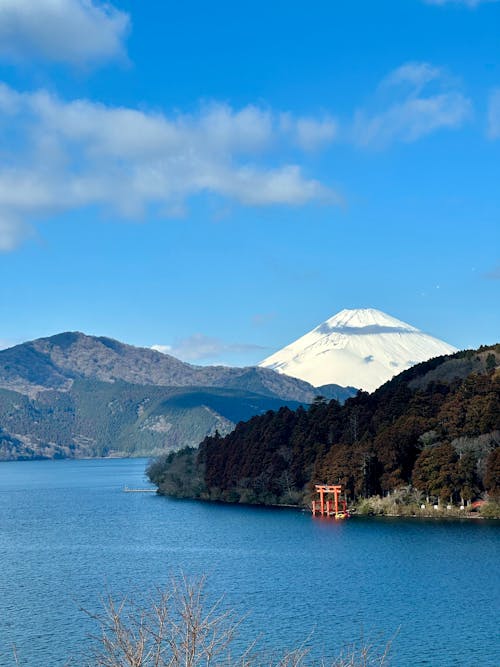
219, 178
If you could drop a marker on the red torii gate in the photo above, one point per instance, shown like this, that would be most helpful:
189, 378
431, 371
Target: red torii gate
325, 509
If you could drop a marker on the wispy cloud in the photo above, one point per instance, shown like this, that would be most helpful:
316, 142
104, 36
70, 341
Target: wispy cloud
466, 3
494, 115
6, 343
79, 32
413, 101
494, 274
261, 319
59, 156
310, 133
199, 347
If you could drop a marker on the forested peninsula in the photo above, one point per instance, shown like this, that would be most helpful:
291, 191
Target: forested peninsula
429, 436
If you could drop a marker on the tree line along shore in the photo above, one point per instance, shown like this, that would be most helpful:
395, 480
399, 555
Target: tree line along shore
427, 443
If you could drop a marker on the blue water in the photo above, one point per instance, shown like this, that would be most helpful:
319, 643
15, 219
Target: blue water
68, 533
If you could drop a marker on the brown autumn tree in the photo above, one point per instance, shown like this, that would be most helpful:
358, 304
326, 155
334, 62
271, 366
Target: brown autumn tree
492, 476
436, 472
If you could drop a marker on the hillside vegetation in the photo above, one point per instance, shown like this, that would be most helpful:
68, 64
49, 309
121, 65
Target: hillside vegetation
434, 428
73, 395
102, 419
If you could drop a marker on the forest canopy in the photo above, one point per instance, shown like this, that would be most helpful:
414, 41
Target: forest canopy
434, 428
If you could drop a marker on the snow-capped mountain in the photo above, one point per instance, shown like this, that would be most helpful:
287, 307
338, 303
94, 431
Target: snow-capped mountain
362, 348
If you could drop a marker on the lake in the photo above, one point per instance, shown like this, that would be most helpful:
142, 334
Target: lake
68, 534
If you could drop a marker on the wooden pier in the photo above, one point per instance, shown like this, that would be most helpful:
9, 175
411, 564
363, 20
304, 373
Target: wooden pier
127, 490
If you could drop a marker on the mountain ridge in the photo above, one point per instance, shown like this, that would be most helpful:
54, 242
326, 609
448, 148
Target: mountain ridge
73, 395
54, 362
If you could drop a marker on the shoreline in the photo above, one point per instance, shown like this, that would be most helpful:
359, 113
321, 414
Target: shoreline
437, 514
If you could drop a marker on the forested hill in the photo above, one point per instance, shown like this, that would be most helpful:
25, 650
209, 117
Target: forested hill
435, 426
74, 395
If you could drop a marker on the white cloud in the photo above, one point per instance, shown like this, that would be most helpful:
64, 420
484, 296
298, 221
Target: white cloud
467, 3
310, 133
74, 31
414, 75
164, 349
199, 347
494, 115
12, 232
59, 156
414, 100
68, 155
494, 274
6, 343
261, 319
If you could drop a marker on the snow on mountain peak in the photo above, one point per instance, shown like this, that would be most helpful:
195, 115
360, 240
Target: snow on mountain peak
360, 347
366, 320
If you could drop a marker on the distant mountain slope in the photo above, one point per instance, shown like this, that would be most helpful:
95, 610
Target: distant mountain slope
362, 348
334, 391
98, 418
13, 449
435, 426
55, 362
77, 395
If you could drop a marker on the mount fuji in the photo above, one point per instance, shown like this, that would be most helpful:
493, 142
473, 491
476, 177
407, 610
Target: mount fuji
362, 348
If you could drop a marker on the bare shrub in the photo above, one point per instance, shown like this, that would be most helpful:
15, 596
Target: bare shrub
179, 627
